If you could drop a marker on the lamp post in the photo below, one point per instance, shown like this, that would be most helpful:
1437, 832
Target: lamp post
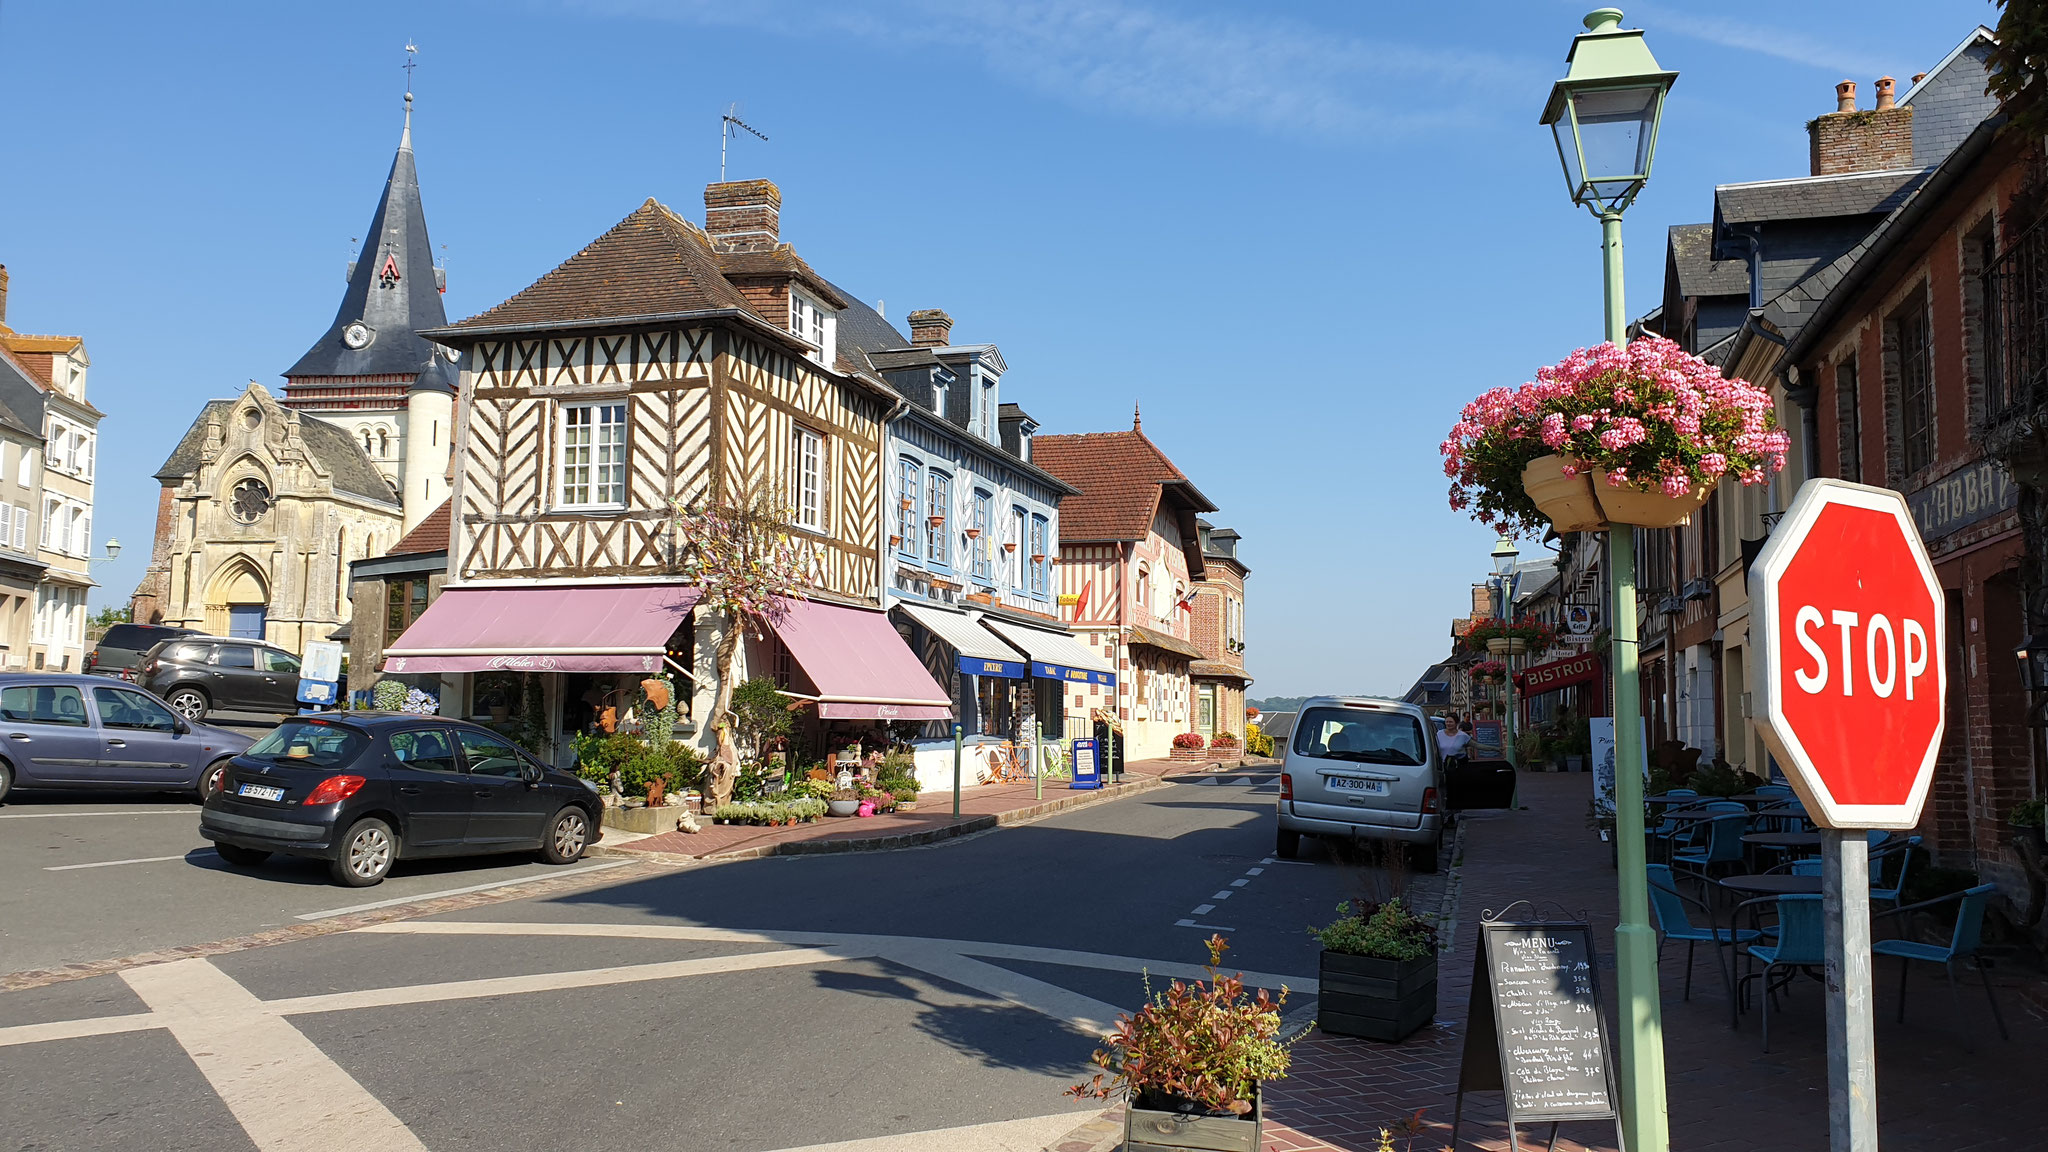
1504, 556
113, 552
1604, 114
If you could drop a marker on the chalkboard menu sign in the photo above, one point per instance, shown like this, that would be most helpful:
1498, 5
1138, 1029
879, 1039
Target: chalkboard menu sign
1536, 1031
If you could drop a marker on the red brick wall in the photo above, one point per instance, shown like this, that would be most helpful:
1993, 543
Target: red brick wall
1867, 141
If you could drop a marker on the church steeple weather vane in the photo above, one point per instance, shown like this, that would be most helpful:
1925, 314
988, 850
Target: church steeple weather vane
411, 50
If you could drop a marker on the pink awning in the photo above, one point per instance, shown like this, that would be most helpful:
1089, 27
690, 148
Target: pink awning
559, 628
860, 666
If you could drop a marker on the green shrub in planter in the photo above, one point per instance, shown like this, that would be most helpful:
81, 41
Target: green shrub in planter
1377, 973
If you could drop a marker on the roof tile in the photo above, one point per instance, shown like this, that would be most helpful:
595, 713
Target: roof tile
1121, 477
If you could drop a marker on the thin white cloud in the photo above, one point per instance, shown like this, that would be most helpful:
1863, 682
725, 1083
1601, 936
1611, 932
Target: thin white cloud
1777, 42
1127, 58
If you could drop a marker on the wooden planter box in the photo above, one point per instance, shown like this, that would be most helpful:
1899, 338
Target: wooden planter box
1148, 1131
1376, 999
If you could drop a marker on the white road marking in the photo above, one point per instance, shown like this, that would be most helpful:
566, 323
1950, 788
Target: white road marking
1209, 927
1239, 883
77, 1029
1253, 871
1289, 863
1208, 780
113, 863
1223, 895
1083, 1012
286, 1093
1204, 909
396, 900
556, 981
1242, 780
1030, 1134
188, 813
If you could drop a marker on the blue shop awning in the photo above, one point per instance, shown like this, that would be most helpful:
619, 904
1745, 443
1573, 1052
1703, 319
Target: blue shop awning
1054, 655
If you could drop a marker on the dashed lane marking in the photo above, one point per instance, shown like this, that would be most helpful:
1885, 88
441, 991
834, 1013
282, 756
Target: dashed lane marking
1206, 927
188, 813
113, 863
397, 900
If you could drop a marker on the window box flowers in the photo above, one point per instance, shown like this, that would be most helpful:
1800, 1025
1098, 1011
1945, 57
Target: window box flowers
1637, 435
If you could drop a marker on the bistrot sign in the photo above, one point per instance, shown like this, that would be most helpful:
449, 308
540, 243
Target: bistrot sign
1849, 616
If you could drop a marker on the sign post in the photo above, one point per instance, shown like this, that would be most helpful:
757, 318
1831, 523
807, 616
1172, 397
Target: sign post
957, 731
1853, 679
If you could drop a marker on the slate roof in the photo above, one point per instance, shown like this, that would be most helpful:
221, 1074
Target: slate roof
864, 328
652, 263
429, 535
1812, 197
1699, 274
397, 240
1121, 477
330, 447
21, 397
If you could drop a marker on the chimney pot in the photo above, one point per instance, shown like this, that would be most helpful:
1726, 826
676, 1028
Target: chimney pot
930, 328
1845, 96
1918, 77
743, 215
1845, 140
1885, 86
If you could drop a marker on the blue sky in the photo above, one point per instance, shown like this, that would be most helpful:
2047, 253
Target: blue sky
1300, 235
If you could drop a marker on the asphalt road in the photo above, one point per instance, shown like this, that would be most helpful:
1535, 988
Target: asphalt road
952, 991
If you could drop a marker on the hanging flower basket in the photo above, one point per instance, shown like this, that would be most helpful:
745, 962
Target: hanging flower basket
1635, 436
1487, 672
1505, 637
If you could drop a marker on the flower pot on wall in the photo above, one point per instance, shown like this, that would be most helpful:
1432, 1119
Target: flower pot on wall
974, 533
1628, 504
1038, 557
905, 501
936, 520
1009, 545
1377, 999
1567, 500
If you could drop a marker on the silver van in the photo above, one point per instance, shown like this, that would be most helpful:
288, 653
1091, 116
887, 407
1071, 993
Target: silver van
1358, 768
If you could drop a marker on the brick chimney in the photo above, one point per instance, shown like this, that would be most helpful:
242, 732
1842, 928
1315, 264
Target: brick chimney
1847, 140
743, 215
930, 328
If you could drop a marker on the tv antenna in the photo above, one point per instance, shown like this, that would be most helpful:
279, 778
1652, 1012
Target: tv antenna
728, 129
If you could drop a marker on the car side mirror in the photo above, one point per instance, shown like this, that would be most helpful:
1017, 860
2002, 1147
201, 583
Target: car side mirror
179, 726
531, 773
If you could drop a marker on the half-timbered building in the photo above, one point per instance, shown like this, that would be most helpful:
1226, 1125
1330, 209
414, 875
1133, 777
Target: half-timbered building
969, 561
1129, 556
663, 364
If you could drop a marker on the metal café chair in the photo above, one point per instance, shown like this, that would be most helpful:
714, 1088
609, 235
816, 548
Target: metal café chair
1718, 844
1800, 944
1672, 910
1962, 944
1881, 859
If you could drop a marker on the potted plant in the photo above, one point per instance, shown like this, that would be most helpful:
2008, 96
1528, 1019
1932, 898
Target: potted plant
1189, 1063
906, 502
1487, 672
1637, 435
1189, 740
1506, 637
843, 802
1378, 972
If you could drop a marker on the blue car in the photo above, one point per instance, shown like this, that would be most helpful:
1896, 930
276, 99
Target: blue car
73, 731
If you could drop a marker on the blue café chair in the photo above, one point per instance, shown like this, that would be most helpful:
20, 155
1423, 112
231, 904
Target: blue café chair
1800, 943
1962, 944
1720, 842
1670, 908
1668, 829
1888, 889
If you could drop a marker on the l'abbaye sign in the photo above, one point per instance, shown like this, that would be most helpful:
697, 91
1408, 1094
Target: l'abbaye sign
1852, 670
1558, 674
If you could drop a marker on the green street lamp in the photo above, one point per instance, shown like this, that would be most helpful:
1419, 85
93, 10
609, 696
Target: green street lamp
1604, 114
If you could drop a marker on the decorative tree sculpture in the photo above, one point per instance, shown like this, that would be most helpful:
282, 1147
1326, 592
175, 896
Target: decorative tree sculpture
737, 549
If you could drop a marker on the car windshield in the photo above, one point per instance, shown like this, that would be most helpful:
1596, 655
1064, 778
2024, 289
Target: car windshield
1366, 736
309, 742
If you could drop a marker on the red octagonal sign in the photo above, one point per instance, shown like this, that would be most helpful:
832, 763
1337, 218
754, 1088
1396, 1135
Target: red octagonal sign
1851, 624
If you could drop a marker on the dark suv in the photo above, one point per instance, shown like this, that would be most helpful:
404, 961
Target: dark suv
122, 648
198, 674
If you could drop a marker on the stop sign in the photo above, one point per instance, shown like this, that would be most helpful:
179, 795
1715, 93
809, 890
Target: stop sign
1852, 640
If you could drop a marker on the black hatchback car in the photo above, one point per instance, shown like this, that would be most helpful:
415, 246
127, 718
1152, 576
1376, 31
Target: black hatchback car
197, 674
364, 789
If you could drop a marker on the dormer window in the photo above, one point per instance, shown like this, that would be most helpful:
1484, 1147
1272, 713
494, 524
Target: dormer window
813, 322
942, 381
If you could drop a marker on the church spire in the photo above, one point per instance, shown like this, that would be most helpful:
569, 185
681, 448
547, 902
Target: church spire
393, 291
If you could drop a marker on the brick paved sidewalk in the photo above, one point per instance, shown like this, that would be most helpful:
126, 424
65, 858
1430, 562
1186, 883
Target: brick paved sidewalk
1725, 1092
981, 807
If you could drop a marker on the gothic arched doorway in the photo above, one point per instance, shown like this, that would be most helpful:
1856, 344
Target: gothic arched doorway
238, 601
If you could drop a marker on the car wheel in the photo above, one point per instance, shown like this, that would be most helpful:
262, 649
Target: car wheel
367, 850
190, 703
6, 781
1423, 857
1287, 844
241, 857
211, 780
568, 836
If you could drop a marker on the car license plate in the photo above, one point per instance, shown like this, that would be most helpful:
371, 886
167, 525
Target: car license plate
260, 792
1354, 784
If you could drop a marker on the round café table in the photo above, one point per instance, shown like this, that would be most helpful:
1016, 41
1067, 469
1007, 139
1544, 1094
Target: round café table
1785, 840
1772, 884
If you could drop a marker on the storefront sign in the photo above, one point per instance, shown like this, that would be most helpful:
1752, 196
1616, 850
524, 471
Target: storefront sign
1087, 769
1961, 499
1579, 622
1067, 675
1486, 740
1069, 599
1558, 674
976, 666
